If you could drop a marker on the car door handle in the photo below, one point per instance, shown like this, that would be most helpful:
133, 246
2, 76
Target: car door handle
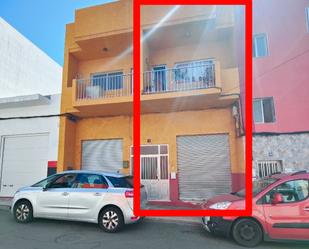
65, 193
97, 194
306, 208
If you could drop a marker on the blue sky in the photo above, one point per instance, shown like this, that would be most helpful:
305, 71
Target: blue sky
43, 21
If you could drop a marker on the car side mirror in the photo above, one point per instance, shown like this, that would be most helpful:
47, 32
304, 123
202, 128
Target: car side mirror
46, 187
278, 198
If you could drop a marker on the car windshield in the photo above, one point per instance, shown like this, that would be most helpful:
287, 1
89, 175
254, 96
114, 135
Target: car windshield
257, 187
121, 182
44, 182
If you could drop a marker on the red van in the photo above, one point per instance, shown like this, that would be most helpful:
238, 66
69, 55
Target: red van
280, 211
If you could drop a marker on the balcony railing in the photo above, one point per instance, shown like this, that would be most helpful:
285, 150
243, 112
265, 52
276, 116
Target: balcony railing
112, 85
180, 79
104, 86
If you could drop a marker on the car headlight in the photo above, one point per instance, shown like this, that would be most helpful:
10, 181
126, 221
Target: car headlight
221, 205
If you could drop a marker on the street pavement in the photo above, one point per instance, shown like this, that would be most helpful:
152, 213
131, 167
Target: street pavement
150, 234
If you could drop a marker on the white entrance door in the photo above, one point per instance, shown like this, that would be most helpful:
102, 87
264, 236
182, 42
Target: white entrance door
154, 172
23, 161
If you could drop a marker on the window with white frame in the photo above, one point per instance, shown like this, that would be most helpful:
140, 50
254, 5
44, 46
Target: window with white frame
260, 45
108, 81
307, 18
263, 110
195, 71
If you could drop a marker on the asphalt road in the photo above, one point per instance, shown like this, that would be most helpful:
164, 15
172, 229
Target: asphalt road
50, 234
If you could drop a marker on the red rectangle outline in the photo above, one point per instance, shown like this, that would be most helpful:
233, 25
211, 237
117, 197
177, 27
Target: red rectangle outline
136, 108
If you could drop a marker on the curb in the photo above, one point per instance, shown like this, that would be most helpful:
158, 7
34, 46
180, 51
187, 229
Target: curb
175, 220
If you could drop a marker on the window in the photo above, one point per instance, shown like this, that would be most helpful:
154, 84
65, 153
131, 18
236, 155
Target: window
292, 191
64, 181
268, 168
260, 47
108, 81
121, 182
46, 181
194, 72
307, 18
263, 110
90, 181
257, 187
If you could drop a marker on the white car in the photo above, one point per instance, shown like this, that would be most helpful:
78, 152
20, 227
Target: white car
90, 196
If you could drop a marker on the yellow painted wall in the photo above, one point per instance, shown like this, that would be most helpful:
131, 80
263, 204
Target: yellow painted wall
66, 145
118, 17
104, 128
161, 129
109, 64
220, 50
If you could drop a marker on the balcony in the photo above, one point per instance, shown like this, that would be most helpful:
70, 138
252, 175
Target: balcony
104, 86
191, 87
107, 93
183, 78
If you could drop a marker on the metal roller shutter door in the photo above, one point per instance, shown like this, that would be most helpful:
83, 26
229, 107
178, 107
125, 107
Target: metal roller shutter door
104, 155
23, 161
203, 166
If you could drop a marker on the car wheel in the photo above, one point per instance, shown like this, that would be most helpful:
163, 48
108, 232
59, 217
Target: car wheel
111, 219
23, 212
247, 232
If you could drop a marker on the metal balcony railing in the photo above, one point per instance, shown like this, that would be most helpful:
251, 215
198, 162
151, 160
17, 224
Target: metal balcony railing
104, 86
180, 79
109, 85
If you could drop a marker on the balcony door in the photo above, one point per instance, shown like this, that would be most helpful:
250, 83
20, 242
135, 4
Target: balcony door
159, 78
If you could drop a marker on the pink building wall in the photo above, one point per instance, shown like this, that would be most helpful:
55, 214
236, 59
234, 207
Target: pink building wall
284, 73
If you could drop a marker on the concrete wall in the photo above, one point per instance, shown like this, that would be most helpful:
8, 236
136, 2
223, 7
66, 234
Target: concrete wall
24, 68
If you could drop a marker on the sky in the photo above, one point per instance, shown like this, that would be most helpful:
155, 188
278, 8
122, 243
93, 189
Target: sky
43, 21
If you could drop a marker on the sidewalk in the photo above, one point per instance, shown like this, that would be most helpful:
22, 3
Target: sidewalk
174, 219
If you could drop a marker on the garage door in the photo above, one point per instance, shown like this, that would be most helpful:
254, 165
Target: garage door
203, 166
23, 161
104, 155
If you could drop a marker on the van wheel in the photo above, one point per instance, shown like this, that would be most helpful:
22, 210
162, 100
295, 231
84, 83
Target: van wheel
23, 212
111, 219
247, 232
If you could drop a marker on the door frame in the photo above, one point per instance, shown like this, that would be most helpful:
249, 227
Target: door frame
165, 78
158, 156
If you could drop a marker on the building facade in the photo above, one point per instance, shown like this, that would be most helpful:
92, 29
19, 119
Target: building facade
280, 86
28, 146
191, 133
30, 86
